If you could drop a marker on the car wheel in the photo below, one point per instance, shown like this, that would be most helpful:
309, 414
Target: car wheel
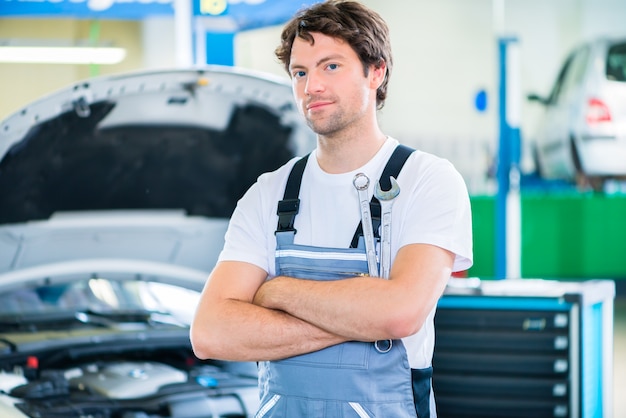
584, 182
537, 162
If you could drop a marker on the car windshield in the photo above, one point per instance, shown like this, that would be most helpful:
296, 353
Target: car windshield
616, 63
129, 300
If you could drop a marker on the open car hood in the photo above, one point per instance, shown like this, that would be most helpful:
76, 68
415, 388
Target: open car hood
145, 166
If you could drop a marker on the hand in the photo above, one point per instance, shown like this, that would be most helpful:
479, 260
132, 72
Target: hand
267, 292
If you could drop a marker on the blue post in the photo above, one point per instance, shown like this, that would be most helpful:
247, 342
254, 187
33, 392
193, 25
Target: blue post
508, 212
214, 45
220, 48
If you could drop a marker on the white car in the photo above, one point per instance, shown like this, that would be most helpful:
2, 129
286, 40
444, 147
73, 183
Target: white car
582, 133
115, 195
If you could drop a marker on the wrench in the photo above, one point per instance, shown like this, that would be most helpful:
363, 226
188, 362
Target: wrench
361, 183
386, 202
386, 199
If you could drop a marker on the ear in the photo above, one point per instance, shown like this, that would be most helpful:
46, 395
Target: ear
378, 74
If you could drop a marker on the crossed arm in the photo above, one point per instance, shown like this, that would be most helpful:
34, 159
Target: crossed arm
243, 318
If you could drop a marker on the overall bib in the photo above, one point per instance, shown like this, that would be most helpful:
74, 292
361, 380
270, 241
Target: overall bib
352, 379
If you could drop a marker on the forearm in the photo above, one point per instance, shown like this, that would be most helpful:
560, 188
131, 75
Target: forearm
367, 308
346, 307
228, 333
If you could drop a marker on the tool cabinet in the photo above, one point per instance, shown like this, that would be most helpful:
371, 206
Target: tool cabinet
524, 348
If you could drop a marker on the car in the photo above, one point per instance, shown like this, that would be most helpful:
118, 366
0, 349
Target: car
581, 134
115, 194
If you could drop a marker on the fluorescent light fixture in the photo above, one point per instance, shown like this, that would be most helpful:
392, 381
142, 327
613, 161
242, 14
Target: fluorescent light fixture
61, 54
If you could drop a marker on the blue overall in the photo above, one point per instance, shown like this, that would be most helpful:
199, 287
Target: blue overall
352, 379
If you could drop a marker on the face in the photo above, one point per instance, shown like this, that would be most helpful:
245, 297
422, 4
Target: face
329, 85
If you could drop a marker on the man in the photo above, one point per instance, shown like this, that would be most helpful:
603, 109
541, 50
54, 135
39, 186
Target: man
289, 292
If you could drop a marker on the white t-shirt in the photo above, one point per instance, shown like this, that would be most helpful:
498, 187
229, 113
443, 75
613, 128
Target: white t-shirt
433, 207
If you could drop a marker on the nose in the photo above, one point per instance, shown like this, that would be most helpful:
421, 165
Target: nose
314, 83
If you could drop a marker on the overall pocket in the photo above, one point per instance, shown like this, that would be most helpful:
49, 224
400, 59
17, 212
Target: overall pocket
348, 355
313, 263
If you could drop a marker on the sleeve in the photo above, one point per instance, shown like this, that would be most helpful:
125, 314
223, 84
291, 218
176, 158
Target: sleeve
438, 211
250, 234
245, 239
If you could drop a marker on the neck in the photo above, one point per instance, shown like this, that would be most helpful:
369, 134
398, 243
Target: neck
336, 155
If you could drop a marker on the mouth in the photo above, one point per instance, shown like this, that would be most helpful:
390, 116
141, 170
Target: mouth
317, 105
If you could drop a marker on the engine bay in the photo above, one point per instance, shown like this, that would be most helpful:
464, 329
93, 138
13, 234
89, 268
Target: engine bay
139, 383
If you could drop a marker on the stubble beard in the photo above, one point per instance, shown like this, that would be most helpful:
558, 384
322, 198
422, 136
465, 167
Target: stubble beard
330, 126
326, 128
336, 124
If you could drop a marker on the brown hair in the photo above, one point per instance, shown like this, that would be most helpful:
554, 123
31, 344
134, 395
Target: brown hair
362, 28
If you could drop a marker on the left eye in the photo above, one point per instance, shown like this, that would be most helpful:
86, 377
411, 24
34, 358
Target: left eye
333, 66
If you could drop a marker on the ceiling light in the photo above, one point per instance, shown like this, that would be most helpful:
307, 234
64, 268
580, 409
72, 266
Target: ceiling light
61, 55
59, 51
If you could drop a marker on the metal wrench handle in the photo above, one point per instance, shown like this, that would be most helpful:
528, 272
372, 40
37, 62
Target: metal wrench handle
361, 183
385, 240
386, 199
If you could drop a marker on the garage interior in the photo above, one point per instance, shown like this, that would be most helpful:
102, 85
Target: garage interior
444, 99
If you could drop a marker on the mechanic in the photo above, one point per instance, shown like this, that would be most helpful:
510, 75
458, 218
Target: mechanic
294, 288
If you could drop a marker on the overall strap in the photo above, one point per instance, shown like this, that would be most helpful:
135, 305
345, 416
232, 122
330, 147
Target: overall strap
392, 169
288, 207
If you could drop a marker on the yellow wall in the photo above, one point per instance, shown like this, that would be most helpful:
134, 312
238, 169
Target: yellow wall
22, 83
